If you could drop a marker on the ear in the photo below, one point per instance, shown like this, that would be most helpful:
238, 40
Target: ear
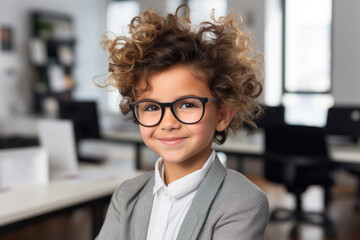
224, 119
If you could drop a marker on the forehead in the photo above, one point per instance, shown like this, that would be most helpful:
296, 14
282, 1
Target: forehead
175, 82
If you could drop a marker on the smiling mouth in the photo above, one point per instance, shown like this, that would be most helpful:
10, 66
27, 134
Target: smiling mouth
171, 141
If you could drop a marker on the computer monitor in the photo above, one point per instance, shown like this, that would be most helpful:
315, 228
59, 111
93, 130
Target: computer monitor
84, 117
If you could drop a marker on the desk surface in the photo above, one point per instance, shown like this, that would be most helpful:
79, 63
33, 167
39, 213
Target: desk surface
26, 202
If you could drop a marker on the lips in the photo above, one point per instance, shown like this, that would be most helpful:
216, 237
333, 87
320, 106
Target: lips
172, 141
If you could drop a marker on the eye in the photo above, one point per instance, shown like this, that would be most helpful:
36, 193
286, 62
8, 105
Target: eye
188, 105
151, 108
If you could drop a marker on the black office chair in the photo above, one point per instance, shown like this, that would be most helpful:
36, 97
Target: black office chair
84, 116
344, 121
297, 157
273, 115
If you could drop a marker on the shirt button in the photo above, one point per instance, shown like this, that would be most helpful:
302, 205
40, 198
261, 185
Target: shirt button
166, 193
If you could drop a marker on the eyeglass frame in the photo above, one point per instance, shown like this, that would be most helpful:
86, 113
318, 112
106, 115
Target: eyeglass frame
163, 105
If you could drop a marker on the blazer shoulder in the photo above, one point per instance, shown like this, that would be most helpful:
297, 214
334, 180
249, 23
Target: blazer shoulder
238, 187
133, 186
240, 210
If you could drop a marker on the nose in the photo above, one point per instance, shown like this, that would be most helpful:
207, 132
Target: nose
169, 121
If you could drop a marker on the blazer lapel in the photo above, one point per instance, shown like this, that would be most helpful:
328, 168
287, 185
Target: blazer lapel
200, 205
142, 211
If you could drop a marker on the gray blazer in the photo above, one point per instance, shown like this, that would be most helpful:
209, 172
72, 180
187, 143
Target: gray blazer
226, 206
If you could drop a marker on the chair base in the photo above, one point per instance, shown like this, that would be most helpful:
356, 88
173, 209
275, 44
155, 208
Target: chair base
313, 218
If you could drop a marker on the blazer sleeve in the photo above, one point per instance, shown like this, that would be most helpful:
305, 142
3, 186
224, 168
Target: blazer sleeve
118, 218
244, 219
110, 229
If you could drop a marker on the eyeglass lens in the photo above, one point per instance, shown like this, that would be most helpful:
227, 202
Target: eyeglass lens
188, 110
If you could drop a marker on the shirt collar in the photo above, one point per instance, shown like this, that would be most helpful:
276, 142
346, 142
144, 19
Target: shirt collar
184, 185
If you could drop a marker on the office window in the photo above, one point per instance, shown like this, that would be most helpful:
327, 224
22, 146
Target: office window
273, 53
298, 75
119, 15
307, 61
307, 45
307, 109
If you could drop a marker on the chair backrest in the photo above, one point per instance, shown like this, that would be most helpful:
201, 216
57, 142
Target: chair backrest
295, 140
293, 152
84, 116
273, 115
344, 121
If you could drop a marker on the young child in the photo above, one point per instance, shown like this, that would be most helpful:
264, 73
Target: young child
186, 88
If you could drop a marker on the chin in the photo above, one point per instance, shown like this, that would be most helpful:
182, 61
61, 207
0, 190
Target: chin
173, 159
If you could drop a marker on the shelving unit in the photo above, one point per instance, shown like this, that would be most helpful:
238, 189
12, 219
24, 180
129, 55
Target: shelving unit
52, 59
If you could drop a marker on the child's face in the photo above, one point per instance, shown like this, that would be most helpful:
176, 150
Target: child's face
174, 141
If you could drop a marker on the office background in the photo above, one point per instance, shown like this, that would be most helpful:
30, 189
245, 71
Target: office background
89, 19
90, 23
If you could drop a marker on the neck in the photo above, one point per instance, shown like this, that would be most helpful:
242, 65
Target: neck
175, 171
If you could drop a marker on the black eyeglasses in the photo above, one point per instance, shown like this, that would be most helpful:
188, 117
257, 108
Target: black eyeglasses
187, 110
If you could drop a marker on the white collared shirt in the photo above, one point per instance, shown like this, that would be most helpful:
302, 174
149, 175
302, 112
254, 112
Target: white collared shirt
172, 202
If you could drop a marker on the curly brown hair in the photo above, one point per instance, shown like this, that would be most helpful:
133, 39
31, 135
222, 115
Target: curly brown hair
220, 50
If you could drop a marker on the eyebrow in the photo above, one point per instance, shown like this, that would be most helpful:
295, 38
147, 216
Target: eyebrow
151, 99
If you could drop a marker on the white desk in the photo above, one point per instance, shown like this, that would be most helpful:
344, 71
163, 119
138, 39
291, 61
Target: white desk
345, 153
21, 204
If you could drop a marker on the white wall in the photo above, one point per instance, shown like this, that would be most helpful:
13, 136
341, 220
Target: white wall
253, 13
346, 52
89, 17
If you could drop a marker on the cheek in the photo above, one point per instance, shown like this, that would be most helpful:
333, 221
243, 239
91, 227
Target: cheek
204, 131
146, 132
210, 119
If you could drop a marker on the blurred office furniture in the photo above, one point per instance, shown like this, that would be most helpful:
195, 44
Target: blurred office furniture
23, 206
57, 137
51, 56
297, 157
273, 115
85, 119
17, 142
18, 132
246, 146
344, 123
23, 167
